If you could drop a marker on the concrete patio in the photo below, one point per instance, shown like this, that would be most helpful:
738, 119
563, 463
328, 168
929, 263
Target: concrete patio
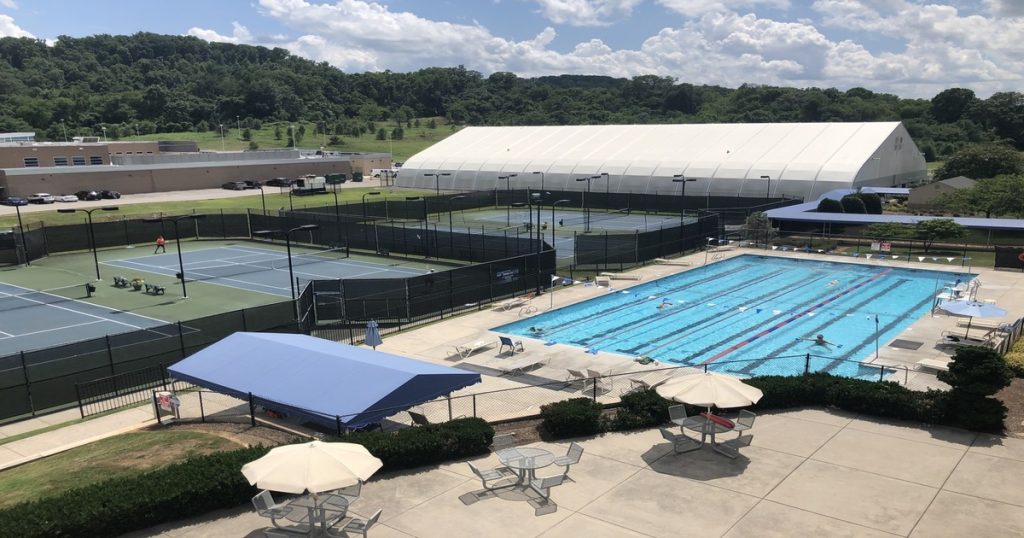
808, 472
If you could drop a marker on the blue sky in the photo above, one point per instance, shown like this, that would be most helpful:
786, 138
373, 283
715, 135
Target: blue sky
908, 47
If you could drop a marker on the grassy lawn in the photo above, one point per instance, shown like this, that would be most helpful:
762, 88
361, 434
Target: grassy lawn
416, 139
119, 456
275, 200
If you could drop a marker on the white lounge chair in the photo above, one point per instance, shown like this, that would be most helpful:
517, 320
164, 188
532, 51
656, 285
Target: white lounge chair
599, 380
576, 376
465, 350
959, 340
676, 262
622, 276
360, 526
934, 364
521, 365
514, 302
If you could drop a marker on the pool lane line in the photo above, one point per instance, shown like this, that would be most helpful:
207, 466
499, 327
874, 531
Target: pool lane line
871, 338
689, 329
820, 329
676, 311
616, 308
773, 328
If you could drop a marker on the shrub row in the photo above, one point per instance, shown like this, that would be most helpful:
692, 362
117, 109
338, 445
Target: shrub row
1015, 358
646, 409
214, 481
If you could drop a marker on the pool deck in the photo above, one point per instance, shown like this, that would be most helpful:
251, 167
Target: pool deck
436, 342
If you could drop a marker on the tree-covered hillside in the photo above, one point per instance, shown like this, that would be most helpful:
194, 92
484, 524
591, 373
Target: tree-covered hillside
158, 83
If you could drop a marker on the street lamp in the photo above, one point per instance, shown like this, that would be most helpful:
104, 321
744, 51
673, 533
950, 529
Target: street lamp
288, 248
92, 233
768, 181
607, 186
559, 202
263, 199
586, 204
451, 232
437, 176
239, 123
177, 241
65, 129
21, 232
426, 230
538, 240
104, 128
680, 178
371, 193
508, 203
541, 178
222, 137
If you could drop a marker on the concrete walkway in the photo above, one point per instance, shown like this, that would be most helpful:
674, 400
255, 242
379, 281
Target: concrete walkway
809, 472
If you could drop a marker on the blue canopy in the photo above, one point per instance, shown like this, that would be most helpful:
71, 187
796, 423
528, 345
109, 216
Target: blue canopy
317, 379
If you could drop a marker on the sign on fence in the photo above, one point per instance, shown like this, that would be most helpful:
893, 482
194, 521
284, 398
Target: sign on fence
165, 406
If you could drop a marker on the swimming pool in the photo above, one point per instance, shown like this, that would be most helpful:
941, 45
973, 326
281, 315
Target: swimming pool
736, 314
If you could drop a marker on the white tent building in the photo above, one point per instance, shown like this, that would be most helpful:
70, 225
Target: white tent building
800, 160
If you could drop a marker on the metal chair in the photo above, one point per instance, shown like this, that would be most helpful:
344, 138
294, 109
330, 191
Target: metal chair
677, 414
571, 457
360, 526
487, 475
731, 448
266, 507
576, 376
418, 418
351, 493
543, 485
744, 421
502, 441
679, 441
512, 345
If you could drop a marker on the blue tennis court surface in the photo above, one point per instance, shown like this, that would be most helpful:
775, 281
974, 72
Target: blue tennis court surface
740, 312
38, 319
258, 269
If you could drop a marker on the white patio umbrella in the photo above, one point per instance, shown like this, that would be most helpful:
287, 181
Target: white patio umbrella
373, 334
974, 309
709, 389
312, 467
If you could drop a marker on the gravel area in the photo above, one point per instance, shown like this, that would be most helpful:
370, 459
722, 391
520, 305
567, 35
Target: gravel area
1013, 399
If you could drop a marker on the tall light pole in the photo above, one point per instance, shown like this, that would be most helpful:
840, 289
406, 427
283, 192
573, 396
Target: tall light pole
437, 177
64, 128
104, 129
541, 178
508, 203
288, 248
451, 231
263, 199
238, 121
680, 178
371, 193
586, 204
607, 186
426, 230
539, 241
222, 137
21, 232
177, 241
92, 233
553, 204
768, 181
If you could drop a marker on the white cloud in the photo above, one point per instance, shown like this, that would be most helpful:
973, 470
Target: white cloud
239, 34
1005, 8
8, 28
586, 12
9, 4
696, 8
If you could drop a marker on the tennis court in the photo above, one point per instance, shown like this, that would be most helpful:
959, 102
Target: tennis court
262, 269
36, 319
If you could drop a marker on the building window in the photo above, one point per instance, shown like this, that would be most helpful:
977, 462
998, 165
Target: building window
78, 160
60, 161
31, 162
95, 159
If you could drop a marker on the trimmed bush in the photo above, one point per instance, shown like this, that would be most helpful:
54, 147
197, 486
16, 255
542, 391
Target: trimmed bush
872, 202
828, 205
214, 481
853, 204
572, 418
1015, 358
975, 375
641, 409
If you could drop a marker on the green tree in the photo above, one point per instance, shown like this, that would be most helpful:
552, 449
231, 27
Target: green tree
853, 204
758, 228
982, 161
1001, 195
828, 205
952, 104
886, 231
253, 146
277, 131
872, 202
975, 375
246, 134
932, 230
382, 134
431, 124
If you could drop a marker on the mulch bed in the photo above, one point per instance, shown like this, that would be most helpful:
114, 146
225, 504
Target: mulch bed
1013, 399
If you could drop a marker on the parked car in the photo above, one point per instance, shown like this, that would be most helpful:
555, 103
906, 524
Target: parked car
234, 186
252, 184
41, 198
280, 182
110, 195
67, 198
15, 200
87, 195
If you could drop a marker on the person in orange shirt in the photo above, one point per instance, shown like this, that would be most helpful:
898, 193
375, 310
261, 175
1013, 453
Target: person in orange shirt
161, 244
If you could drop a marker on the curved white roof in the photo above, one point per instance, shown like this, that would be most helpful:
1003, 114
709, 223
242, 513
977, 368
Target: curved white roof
801, 159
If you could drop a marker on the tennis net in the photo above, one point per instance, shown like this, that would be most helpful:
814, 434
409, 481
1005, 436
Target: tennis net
576, 218
15, 299
261, 262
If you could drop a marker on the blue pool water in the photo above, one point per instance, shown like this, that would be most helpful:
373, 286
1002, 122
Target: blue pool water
735, 314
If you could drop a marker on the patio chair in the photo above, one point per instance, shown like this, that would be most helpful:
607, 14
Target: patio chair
512, 345
599, 380
487, 475
266, 507
351, 493
418, 419
467, 349
502, 441
543, 485
677, 414
576, 376
680, 443
360, 526
731, 448
744, 421
571, 457
636, 385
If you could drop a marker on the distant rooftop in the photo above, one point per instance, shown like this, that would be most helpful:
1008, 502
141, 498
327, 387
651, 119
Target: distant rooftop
8, 138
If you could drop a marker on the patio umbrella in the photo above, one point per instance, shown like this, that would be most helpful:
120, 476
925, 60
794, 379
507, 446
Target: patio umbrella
312, 467
973, 309
709, 389
373, 334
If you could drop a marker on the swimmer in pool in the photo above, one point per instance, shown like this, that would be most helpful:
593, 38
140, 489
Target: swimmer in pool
536, 330
833, 283
820, 341
665, 303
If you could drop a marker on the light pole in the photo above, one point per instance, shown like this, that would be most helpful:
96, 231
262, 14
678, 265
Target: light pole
177, 241
136, 130
222, 137
586, 204
680, 178
263, 199
426, 230
541, 178
607, 186
508, 203
451, 230
288, 248
64, 128
104, 129
538, 239
371, 193
559, 202
92, 233
239, 123
768, 181
437, 177
21, 232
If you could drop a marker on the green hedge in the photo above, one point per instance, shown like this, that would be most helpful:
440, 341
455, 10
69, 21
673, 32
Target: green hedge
891, 400
573, 417
210, 482
1015, 358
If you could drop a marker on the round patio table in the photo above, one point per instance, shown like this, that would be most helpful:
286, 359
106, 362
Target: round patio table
707, 429
525, 461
